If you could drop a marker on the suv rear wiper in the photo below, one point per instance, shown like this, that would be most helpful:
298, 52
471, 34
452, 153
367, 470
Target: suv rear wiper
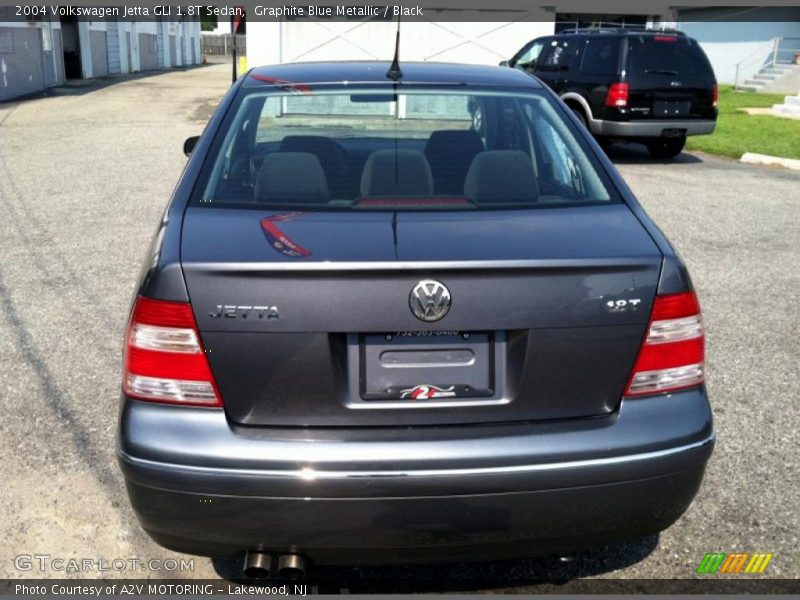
661, 72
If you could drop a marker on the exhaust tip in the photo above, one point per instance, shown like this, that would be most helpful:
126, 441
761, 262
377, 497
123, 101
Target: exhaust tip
257, 565
292, 566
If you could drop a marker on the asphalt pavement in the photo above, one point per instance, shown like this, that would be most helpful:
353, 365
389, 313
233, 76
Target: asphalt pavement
84, 178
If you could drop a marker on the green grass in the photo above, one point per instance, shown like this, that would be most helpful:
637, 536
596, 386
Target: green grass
737, 132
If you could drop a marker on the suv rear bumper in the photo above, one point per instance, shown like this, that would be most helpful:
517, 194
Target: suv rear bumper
199, 485
632, 129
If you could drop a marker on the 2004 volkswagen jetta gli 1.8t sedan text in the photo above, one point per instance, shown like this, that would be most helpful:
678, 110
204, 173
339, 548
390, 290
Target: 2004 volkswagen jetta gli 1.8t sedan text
366, 332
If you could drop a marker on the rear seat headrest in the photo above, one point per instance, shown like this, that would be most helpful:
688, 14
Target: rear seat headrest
291, 177
450, 152
396, 173
330, 154
463, 141
501, 176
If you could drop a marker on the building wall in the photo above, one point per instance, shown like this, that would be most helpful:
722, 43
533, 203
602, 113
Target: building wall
148, 51
114, 50
99, 50
20, 62
463, 42
129, 45
58, 49
32, 53
160, 47
49, 51
185, 40
728, 42
173, 50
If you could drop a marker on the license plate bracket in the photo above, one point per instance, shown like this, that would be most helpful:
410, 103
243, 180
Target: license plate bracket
426, 366
672, 108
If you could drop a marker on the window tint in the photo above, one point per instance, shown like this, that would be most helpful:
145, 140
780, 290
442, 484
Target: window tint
601, 57
378, 150
667, 55
530, 54
557, 56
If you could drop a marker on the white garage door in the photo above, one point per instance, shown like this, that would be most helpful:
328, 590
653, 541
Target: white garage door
469, 42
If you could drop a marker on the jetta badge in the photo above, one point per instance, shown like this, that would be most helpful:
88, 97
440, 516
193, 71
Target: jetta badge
429, 300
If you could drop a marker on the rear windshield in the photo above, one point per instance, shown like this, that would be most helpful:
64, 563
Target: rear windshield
379, 149
667, 55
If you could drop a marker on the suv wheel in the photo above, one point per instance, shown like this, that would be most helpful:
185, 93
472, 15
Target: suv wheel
581, 117
605, 142
666, 148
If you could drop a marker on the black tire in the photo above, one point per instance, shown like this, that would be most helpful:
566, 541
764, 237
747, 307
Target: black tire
666, 148
581, 117
605, 143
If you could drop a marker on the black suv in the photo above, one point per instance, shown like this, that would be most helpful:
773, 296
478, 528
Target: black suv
651, 87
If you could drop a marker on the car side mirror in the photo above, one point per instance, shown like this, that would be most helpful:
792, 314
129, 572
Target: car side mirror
189, 144
504, 63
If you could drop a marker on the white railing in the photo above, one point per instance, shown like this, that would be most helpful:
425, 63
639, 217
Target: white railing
787, 51
584, 26
779, 50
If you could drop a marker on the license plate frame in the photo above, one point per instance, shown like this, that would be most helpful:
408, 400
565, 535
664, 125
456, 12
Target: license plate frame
672, 108
393, 367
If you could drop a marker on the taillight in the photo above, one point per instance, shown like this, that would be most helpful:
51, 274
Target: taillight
715, 95
617, 95
673, 353
665, 38
164, 357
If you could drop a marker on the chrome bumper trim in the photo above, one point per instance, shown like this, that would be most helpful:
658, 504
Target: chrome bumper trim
311, 474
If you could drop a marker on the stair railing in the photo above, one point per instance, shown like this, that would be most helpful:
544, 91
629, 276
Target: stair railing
768, 54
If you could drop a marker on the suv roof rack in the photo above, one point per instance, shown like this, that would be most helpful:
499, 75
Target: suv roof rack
628, 30
587, 30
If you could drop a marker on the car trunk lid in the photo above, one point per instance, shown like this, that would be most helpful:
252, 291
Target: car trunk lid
307, 319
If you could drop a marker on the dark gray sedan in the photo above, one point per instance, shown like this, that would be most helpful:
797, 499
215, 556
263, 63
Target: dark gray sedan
407, 318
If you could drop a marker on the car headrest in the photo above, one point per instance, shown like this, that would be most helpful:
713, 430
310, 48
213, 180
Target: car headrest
463, 141
396, 173
291, 177
329, 153
501, 176
450, 153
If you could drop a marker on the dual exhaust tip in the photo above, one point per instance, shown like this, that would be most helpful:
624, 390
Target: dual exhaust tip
258, 565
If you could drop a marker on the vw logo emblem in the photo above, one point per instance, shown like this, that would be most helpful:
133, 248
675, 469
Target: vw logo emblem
429, 300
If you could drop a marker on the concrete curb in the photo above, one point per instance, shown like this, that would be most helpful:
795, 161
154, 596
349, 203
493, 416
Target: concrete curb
763, 159
772, 112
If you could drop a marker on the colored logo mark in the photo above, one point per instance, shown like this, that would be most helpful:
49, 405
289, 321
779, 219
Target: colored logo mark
735, 562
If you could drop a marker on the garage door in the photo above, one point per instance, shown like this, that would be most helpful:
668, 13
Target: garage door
468, 42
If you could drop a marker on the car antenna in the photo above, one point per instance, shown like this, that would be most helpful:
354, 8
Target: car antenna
394, 73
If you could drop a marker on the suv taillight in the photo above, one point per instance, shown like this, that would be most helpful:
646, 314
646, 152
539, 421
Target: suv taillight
673, 353
715, 95
617, 96
164, 357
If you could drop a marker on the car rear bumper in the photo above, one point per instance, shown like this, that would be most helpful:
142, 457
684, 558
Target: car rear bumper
644, 129
199, 485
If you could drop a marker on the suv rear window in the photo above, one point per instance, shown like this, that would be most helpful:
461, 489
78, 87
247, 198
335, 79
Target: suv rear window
667, 55
601, 56
379, 149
